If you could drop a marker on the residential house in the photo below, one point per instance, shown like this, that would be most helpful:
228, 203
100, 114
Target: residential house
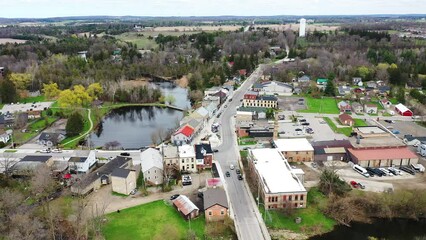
6, 120
183, 135
186, 207
152, 166
171, 155
372, 84
358, 90
385, 103
211, 108
242, 72
270, 169
322, 81
187, 158
344, 90
383, 156
344, 107
29, 163
295, 149
357, 108
304, 79
35, 114
414, 140
216, 207
331, 150
357, 81
100, 176
370, 108
211, 91
384, 90
197, 125
203, 155
403, 110
50, 139
346, 119
273, 88
4, 136
82, 164
222, 94
124, 180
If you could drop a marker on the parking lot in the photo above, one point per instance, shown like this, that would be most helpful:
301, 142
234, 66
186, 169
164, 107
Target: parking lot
25, 107
406, 127
291, 103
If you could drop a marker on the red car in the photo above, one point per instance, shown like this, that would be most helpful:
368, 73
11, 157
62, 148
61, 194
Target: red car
354, 184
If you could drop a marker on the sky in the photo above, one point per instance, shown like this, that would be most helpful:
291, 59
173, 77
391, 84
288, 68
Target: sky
60, 8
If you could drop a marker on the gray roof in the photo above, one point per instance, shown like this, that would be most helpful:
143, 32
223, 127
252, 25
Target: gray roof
35, 158
120, 172
304, 78
77, 159
213, 196
268, 98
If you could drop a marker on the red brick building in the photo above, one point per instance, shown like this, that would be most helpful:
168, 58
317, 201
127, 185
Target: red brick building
215, 204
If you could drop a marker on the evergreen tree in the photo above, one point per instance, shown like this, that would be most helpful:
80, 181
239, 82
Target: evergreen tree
8, 92
75, 124
329, 89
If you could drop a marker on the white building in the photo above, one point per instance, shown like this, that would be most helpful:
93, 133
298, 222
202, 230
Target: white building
279, 185
187, 158
302, 27
295, 149
82, 164
152, 166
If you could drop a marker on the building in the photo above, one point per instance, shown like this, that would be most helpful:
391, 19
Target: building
344, 107
5, 135
357, 108
211, 91
187, 158
253, 99
304, 79
50, 139
211, 100
357, 81
346, 119
273, 88
100, 176
186, 207
279, 187
383, 157
403, 110
29, 163
82, 55
203, 155
414, 140
302, 27
123, 180
183, 135
371, 132
331, 150
170, 155
216, 206
344, 90
82, 164
385, 103
296, 149
152, 166
370, 108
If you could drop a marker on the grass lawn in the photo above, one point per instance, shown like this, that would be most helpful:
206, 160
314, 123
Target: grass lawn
360, 122
33, 129
142, 42
313, 220
345, 130
155, 220
318, 105
40, 98
247, 141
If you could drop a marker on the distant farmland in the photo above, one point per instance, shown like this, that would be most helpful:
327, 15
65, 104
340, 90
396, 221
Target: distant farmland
11, 40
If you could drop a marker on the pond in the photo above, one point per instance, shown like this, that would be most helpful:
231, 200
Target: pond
169, 88
396, 229
132, 127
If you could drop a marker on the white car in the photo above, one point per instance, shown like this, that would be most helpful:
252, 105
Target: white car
231, 167
56, 150
45, 151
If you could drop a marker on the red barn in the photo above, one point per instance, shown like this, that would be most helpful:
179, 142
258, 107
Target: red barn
403, 110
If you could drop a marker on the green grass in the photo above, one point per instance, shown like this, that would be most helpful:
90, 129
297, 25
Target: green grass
34, 128
40, 98
318, 105
155, 220
360, 122
313, 220
142, 42
345, 130
247, 141
10, 150
119, 194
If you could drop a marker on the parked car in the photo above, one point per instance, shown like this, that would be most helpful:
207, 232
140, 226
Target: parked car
173, 197
215, 150
240, 177
47, 150
408, 170
390, 121
225, 106
360, 185
133, 192
186, 180
227, 174
395, 131
305, 124
302, 120
354, 184
200, 194
238, 171
314, 165
232, 166
125, 154
56, 150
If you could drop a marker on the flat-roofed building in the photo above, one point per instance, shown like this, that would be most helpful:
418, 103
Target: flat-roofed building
296, 149
371, 131
279, 187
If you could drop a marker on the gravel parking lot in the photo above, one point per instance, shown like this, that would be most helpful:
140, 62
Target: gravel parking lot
406, 127
291, 103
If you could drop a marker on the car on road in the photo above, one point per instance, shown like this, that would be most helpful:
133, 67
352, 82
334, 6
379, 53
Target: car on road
238, 171
126, 154
173, 197
227, 174
133, 192
232, 167
354, 184
225, 106
390, 121
302, 120
240, 177
56, 150
215, 150
314, 165
310, 130
360, 185
305, 124
395, 131
45, 150
200, 194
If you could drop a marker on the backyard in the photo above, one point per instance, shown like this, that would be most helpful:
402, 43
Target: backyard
155, 220
321, 105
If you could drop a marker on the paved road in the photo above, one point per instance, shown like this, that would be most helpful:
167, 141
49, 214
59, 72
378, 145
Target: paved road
246, 215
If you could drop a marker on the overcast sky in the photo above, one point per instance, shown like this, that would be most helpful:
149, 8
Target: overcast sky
59, 8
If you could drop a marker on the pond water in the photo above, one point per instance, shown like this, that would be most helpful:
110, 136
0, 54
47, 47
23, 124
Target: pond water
180, 94
396, 229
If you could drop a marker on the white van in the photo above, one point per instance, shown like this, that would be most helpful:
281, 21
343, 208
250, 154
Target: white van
361, 170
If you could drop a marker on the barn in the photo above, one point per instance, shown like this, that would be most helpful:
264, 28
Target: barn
403, 110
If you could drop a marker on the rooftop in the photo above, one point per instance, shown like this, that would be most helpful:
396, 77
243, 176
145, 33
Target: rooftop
150, 158
370, 130
213, 196
402, 107
170, 151
186, 130
374, 142
295, 144
275, 172
121, 172
184, 205
382, 153
35, 158
186, 151
77, 159
202, 149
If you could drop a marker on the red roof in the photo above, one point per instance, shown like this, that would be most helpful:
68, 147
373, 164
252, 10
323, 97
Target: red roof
344, 117
67, 176
186, 130
382, 153
242, 71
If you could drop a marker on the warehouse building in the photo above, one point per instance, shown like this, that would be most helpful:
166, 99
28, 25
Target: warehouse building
383, 156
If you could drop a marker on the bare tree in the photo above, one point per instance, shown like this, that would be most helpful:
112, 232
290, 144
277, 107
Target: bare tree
7, 163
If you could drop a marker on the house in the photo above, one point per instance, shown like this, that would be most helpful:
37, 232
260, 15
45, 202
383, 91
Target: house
304, 79
34, 114
358, 90
170, 155
82, 164
6, 120
295, 149
370, 108
100, 176
242, 72
211, 91
29, 163
344, 107
5, 135
187, 158
196, 124
152, 166
357, 108
322, 81
331, 150
385, 103
216, 207
357, 81
50, 139
372, 84
186, 207
383, 156
344, 90
183, 135
280, 188
403, 110
346, 119
207, 100
222, 94
124, 180
203, 155
384, 90
413, 141
273, 88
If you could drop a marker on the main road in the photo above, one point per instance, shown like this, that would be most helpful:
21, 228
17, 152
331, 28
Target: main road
248, 221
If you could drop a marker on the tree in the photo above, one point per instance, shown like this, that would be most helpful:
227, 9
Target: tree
67, 99
95, 90
8, 91
75, 124
400, 95
7, 163
364, 72
330, 183
330, 90
21, 80
82, 96
51, 91
170, 99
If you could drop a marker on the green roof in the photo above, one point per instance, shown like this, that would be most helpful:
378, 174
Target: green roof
323, 80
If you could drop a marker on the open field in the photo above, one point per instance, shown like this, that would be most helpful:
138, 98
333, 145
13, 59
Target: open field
11, 40
156, 220
321, 105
